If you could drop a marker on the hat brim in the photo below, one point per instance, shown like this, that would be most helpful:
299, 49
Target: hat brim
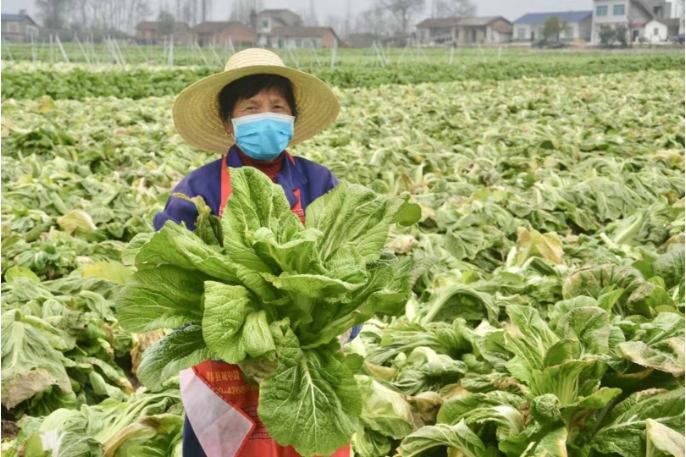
196, 109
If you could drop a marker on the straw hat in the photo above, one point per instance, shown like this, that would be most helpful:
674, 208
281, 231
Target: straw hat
196, 109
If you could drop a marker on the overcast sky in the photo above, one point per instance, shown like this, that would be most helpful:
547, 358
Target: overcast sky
510, 9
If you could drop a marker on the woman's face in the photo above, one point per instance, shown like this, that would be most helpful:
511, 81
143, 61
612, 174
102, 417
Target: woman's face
266, 101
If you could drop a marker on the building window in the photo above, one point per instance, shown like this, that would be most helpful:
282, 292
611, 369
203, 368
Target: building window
569, 33
601, 10
297, 43
618, 10
521, 33
657, 11
656, 31
13, 27
265, 23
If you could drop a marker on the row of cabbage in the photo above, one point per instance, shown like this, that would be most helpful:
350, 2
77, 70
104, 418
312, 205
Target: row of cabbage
81, 81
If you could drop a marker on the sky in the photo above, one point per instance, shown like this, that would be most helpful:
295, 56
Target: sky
509, 9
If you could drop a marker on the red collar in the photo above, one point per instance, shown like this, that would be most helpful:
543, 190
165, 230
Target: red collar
270, 168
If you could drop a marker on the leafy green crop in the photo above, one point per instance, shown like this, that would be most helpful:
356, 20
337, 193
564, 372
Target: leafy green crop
80, 84
558, 196
262, 285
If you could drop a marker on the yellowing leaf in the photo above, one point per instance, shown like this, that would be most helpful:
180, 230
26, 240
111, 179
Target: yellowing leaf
112, 271
46, 104
546, 245
76, 220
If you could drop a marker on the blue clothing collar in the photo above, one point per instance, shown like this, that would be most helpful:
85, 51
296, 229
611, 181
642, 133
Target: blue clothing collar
289, 178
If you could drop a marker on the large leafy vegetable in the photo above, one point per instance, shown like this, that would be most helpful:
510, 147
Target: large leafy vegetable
270, 287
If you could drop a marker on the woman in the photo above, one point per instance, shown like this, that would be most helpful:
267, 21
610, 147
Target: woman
249, 113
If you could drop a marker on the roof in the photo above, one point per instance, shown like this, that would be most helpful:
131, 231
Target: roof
671, 22
301, 32
639, 4
17, 18
478, 21
216, 26
154, 25
566, 16
275, 11
438, 22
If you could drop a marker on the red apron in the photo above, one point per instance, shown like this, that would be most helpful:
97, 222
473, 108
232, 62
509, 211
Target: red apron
227, 381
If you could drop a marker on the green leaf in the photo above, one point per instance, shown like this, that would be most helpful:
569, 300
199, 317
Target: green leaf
13, 273
311, 391
207, 226
670, 266
646, 299
588, 325
178, 246
659, 345
624, 430
29, 364
164, 297
354, 215
465, 243
223, 323
663, 441
386, 411
457, 436
257, 335
528, 337
553, 444
177, 351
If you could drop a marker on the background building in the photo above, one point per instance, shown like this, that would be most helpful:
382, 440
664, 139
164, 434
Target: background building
465, 30
19, 27
575, 26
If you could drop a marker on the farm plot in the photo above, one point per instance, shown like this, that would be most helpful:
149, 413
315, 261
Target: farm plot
553, 320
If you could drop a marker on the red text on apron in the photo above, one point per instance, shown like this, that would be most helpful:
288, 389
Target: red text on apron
227, 381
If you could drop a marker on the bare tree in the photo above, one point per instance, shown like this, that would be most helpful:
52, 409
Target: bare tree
376, 21
403, 11
335, 22
455, 8
53, 12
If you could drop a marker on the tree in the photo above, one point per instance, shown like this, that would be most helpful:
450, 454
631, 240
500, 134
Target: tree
552, 28
455, 8
167, 23
376, 21
52, 12
621, 33
403, 10
607, 36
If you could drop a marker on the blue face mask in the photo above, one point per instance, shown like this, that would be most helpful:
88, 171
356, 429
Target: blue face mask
263, 136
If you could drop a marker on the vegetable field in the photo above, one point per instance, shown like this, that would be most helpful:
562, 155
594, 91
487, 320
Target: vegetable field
551, 322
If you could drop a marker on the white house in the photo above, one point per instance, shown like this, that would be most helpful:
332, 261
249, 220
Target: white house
634, 16
655, 31
270, 19
576, 26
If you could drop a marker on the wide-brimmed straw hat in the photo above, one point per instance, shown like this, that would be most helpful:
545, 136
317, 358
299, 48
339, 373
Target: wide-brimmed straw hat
196, 109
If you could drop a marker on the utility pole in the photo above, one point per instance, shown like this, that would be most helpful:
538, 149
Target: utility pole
313, 14
348, 16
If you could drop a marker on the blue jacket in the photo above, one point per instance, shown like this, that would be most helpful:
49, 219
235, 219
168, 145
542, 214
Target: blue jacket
312, 179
